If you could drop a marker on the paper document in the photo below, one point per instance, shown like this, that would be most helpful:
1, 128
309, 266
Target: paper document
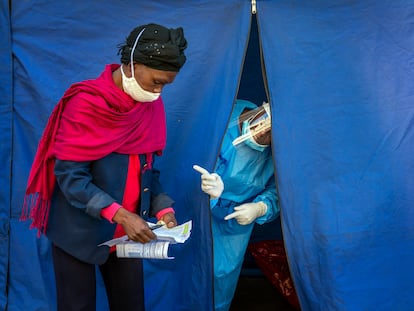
154, 249
178, 234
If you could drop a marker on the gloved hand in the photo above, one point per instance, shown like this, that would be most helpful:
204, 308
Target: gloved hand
210, 183
248, 212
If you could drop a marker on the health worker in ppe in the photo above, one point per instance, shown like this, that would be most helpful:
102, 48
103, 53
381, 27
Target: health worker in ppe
242, 191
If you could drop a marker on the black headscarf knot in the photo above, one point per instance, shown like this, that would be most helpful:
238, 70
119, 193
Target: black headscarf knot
158, 47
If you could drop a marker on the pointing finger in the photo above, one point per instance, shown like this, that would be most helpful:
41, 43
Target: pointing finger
230, 216
200, 169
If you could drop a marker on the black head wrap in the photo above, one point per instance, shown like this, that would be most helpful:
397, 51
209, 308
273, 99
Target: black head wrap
158, 47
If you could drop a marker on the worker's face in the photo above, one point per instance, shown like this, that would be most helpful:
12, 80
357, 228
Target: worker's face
152, 80
263, 137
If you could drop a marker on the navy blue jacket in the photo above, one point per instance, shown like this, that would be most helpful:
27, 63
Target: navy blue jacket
82, 190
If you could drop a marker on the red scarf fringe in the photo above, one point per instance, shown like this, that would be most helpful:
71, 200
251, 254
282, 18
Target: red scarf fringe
37, 209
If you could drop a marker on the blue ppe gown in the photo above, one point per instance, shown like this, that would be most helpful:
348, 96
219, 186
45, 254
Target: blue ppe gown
248, 176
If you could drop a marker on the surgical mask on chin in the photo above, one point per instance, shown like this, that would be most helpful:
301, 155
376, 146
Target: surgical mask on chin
131, 86
250, 141
133, 89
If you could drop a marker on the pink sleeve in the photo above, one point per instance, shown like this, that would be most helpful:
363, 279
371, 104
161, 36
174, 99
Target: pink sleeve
163, 212
109, 212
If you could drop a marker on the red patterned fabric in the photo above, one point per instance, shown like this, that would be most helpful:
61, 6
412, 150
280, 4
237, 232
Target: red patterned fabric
271, 258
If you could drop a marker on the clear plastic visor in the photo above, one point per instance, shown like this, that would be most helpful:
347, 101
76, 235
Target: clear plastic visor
259, 121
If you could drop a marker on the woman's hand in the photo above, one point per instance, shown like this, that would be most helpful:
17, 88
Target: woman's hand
169, 220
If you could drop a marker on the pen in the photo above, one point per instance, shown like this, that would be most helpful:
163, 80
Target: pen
156, 226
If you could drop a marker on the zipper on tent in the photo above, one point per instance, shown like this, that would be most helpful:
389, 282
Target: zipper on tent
262, 63
265, 83
228, 121
266, 87
253, 6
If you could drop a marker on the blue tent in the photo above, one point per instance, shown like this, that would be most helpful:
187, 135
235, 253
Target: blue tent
339, 77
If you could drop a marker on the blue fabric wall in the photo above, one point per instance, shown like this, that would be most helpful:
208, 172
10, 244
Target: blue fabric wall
6, 106
340, 85
57, 43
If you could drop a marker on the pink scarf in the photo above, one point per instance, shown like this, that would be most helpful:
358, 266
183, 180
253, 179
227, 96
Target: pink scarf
93, 119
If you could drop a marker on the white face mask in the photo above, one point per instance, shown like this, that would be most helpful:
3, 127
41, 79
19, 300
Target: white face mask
132, 87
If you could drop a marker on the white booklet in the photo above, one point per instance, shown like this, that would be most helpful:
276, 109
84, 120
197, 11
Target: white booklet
156, 249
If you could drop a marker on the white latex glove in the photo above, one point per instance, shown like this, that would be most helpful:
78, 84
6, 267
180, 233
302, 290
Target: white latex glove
246, 213
210, 183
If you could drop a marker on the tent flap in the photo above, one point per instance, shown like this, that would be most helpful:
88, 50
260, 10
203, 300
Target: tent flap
340, 83
54, 45
6, 87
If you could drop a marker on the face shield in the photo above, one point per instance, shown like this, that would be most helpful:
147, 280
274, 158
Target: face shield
255, 123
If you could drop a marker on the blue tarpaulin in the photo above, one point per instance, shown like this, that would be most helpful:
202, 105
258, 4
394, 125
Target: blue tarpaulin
339, 77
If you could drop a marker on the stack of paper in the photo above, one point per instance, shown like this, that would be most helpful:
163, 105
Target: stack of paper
157, 249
